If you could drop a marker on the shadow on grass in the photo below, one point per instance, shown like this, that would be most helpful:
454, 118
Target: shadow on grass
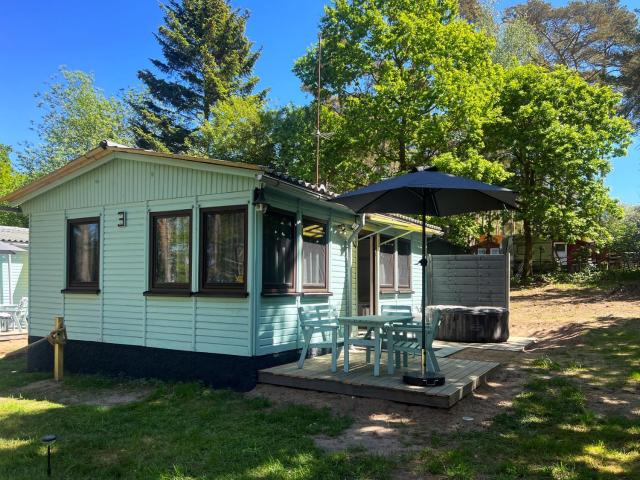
550, 432
180, 431
608, 355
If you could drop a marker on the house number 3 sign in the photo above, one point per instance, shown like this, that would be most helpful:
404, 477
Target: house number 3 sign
122, 219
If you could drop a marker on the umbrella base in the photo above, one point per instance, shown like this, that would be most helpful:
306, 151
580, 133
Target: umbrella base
426, 379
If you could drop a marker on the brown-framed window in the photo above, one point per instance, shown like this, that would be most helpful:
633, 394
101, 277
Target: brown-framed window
83, 253
395, 264
278, 251
314, 255
387, 263
223, 251
170, 251
404, 263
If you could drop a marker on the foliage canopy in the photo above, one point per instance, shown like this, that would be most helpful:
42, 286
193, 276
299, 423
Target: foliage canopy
207, 59
556, 136
410, 80
76, 116
9, 181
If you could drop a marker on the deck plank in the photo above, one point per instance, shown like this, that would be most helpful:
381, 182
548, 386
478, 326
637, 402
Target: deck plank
462, 378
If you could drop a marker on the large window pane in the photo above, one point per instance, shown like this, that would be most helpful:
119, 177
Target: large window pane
171, 250
314, 254
404, 263
83, 253
278, 251
387, 262
224, 248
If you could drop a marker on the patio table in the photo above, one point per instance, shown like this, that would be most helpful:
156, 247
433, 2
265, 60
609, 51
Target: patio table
373, 323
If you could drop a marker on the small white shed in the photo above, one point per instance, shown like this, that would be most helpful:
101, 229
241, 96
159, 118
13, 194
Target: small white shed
14, 265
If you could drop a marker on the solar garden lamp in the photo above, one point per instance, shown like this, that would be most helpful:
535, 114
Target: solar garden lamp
49, 440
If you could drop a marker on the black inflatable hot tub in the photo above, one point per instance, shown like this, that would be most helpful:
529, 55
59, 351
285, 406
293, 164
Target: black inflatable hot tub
473, 324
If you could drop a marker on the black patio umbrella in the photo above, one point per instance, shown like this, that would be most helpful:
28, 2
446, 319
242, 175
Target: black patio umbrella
427, 192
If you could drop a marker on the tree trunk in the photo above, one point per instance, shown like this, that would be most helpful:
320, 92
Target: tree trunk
527, 266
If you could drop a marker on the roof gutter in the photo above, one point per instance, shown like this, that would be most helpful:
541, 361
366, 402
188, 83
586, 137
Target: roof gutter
275, 182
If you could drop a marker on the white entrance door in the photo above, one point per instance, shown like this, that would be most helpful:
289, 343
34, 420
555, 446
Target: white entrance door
560, 252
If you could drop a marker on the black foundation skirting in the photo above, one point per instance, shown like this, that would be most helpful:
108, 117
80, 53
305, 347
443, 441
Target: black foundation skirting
219, 371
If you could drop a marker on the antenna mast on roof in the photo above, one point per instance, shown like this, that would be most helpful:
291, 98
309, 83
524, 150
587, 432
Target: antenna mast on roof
318, 134
318, 111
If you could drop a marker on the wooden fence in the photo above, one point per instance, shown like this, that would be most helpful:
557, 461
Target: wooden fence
469, 280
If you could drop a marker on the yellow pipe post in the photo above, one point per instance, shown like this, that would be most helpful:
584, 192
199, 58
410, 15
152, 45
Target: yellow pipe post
58, 352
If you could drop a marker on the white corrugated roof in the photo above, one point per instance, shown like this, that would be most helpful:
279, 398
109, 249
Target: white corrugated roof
14, 234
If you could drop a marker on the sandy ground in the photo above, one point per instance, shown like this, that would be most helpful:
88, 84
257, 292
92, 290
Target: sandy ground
10, 346
546, 312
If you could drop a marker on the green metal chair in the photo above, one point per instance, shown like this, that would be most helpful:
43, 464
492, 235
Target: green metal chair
407, 339
400, 336
320, 320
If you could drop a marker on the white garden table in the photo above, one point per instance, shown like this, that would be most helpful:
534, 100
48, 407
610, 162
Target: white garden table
374, 324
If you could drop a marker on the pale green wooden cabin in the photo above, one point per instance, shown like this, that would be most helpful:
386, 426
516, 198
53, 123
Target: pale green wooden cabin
180, 267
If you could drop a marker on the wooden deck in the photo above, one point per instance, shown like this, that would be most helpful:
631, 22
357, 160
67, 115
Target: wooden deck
462, 377
13, 335
514, 344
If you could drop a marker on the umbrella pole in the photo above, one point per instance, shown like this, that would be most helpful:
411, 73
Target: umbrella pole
424, 377
423, 263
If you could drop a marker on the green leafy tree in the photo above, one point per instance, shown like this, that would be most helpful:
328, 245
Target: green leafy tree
207, 59
598, 38
76, 116
625, 231
556, 135
409, 80
472, 10
516, 41
237, 131
292, 138
10, 179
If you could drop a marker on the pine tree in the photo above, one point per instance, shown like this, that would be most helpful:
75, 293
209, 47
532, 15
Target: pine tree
207, 59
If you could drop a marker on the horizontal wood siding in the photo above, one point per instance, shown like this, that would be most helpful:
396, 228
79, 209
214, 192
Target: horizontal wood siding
120, 313
469, 280
46, 274
124, 275
170, 322
277, 325
338, 273
223, 325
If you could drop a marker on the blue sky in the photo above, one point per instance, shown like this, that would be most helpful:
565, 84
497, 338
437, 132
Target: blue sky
113, 39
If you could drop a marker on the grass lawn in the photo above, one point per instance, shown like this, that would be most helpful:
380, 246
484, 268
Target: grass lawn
181, 431
551, 432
